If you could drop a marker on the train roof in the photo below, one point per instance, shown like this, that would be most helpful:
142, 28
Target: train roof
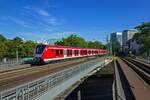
55, 46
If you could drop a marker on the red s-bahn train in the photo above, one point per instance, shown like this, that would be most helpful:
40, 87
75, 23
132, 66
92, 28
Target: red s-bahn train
48, 53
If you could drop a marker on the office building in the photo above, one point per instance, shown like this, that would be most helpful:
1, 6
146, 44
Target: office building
116, 37
127, 35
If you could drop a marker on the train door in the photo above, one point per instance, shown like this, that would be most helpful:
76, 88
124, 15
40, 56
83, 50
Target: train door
79, 52
65, 53
73, 52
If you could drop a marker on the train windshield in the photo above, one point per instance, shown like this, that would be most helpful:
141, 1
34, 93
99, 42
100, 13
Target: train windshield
40, 49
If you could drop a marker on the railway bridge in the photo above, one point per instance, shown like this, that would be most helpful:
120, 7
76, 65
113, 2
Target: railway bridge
55, 85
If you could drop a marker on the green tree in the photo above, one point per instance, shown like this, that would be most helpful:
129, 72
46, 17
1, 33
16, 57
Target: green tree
143, 37
95, 44
72, 40
3, 47
75, 41
13, 46
27, 49
2, 38
116, 47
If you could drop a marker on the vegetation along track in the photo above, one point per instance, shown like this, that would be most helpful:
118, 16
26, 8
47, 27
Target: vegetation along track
17, 77
142, 70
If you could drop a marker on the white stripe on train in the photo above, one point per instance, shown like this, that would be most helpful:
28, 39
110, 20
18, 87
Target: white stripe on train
46, 60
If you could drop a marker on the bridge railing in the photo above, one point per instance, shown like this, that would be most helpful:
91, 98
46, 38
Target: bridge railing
10, 63
38, 87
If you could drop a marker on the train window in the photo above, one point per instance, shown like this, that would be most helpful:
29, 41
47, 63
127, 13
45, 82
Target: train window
89, 52
70, 52
57, 52
61, 52
92, 52
67, 52
40, 49
77, 52
86, 52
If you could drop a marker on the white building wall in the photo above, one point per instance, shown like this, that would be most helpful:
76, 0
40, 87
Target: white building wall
126, 36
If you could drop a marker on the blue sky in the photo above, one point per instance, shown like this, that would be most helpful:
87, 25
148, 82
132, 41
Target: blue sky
91, 19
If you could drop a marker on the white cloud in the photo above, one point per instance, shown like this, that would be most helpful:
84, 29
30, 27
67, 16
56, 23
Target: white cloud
43, 12
38, 11
51, 21
34, 19
59, 35
16, 21
30, 35
46, 20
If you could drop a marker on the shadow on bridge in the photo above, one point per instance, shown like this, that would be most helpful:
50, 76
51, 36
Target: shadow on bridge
97, 87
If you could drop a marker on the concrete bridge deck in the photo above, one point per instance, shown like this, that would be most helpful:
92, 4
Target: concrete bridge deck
51, 87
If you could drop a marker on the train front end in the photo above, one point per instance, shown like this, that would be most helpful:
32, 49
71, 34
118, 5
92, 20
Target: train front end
38, 54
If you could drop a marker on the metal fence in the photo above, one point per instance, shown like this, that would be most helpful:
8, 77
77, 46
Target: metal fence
10, 63
38, 87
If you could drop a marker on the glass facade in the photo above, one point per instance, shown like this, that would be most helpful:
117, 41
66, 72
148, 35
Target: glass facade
116, 37
127, 35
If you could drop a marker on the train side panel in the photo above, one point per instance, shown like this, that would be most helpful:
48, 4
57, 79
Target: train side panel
51, 53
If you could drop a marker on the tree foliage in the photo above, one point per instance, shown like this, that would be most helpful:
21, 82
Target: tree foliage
143, 36
116, 47
75, 41
95, 44
3, 46
72, 40
9, 47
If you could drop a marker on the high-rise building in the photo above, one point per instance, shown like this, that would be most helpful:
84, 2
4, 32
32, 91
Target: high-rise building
126, 36
116, 37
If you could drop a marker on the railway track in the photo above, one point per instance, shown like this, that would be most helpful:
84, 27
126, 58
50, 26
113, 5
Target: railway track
136, 79
32, 66
141, 69
12, 78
